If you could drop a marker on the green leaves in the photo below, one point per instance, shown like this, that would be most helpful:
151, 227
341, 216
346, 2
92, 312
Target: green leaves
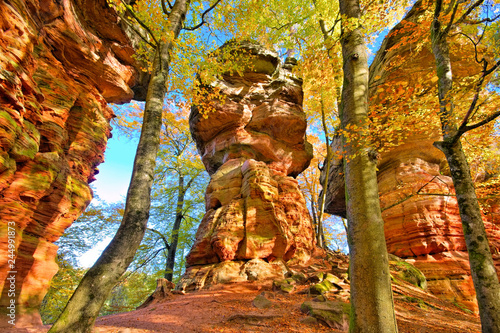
61, 288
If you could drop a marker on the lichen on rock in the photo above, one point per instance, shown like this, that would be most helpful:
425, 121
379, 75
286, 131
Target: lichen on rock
61, 62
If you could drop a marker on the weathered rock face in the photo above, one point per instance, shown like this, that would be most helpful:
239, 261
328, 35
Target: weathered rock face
252, 146
61, 62
425, 229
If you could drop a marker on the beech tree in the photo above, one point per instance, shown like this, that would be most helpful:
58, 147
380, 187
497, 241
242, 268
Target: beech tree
372, 308
82, 309
187, 168
483, 271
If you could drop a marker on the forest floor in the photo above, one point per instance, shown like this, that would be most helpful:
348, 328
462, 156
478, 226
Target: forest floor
230, 308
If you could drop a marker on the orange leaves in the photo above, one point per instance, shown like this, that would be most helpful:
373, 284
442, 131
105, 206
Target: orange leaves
205, 98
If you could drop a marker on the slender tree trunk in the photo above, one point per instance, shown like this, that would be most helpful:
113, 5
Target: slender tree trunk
315, 218
482, 267
372, 308
483, 271
321, 235
83, 308
169, 269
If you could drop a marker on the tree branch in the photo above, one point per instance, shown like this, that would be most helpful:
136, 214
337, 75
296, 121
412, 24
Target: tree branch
190, 182
491, 117
134, 15
161, 236
464, 127
420, 193
139, 33
468, 11
475, 47
436, 24
203, 17
143, 264
485, 20
450, 24
164, 7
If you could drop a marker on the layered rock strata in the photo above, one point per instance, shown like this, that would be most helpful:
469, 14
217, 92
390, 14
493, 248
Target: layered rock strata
252, 145
61, 62
420, 211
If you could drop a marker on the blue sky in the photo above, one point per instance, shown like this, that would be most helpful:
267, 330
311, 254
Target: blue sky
112, 183
114, 174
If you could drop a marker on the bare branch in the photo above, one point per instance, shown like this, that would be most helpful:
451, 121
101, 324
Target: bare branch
190, 182
492, 69
475, 47
327, 33
164, 7
485, 20
143, 264
285, 25
420, 193
203, 17
473, 107
488, 119
450, 24
161, 236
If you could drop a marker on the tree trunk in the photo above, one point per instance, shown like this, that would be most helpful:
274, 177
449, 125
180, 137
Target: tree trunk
162, 292
83, 308
372, 308
169, 269
321, 234
314, 217
482, 267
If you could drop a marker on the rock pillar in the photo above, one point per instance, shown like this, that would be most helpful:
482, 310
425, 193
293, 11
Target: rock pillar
252, 145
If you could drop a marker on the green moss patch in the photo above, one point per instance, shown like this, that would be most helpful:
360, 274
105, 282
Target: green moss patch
407, 272
332, 314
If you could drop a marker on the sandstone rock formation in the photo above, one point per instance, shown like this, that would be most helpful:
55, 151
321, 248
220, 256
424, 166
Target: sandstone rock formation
424, 229
60, 63
252, 145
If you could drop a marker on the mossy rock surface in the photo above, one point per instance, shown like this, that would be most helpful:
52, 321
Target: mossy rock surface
299, 277
333, 314
322, 287
261, 302
407, 272
285, 286
27, 143
332, 278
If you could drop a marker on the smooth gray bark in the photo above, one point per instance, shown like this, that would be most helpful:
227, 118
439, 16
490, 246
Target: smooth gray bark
483, 271
372, 308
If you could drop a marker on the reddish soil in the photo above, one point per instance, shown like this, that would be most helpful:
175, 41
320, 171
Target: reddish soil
231, 310
228, 308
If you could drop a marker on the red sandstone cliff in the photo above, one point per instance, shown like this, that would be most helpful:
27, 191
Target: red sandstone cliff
61, 62
424, 229
252, 145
